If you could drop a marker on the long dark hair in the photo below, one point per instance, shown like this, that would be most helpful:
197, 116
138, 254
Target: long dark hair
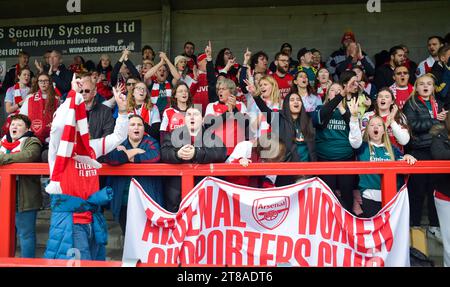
303, 119
309, 88
220, 62
254, 59
52, 97
173, 100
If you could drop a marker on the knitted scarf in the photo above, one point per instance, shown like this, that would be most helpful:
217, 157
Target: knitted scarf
40, 118
145, 113
17, 97
8, 146
74, 141
161, 94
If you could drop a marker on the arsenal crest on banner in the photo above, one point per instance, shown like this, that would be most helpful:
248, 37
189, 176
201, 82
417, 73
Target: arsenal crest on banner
270, 212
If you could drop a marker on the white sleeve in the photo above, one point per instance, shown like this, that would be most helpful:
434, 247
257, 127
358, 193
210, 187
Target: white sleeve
401, 134
355, 136
209, 110
156, 118
188, 80
165, 122
242, 149
106, 144
24, 107
111, 103
243, 108
9, 96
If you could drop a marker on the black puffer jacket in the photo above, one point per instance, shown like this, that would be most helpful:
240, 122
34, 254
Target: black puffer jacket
420, 122
203, 154
440, 150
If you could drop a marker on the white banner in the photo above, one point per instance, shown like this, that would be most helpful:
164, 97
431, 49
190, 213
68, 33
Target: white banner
300, 225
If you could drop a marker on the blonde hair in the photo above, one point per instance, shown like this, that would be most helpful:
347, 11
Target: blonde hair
386, 141
131, 103
415, 94
275, 94
344, 101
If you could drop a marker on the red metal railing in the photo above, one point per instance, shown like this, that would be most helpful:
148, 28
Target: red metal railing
387, 170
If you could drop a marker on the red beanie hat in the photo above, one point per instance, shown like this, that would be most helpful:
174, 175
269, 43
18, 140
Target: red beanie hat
348, 35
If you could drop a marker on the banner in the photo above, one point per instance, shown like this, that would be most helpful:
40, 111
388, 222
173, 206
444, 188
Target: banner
299, 225
78, 38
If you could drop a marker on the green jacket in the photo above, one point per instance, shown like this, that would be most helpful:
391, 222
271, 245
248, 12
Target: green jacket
29, 195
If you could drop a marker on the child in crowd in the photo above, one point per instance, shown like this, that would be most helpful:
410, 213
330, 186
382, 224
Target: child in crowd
394, 119
19, 145
374, 146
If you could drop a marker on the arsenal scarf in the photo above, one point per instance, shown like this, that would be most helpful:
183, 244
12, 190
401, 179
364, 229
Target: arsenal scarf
40, 118
74, 141
161, 94
17, 97
8, 146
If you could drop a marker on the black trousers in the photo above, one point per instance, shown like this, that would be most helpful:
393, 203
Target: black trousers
345, 184
123, 218
420, 186
370, 207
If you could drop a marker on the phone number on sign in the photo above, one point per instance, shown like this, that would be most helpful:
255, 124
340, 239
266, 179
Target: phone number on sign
9, 52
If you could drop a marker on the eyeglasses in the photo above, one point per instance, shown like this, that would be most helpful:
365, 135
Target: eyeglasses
85, 91
140, 88
43, 81
228, 53
401, 73
130, 84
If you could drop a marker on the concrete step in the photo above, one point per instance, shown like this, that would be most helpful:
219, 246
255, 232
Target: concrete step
115, 238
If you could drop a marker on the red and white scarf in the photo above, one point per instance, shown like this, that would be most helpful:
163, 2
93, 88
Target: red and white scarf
74, 141
40, 118
17, 97
156, 91
144, 113
11, 147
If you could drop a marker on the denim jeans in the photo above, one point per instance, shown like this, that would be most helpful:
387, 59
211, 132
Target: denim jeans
84, 241
26, 232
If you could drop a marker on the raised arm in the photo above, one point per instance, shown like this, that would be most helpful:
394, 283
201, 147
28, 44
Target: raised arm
355, 135
106, 144
176, 76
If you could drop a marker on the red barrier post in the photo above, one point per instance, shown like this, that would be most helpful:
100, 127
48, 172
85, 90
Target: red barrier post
388, 187
7, 214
